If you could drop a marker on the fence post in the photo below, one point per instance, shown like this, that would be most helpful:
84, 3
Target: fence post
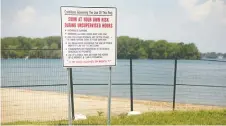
72, 95
131, 84
175, 83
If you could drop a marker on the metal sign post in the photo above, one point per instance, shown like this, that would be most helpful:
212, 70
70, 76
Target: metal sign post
72, 95
69, 98
109, 99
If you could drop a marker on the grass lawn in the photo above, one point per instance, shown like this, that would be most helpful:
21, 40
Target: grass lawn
212, 117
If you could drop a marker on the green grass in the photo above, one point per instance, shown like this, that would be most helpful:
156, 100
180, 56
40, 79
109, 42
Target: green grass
214, 117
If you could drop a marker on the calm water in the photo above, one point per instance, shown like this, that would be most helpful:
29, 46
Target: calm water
50, 71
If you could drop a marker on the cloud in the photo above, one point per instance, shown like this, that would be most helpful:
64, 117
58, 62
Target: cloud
28, 22
212, 10
27, 15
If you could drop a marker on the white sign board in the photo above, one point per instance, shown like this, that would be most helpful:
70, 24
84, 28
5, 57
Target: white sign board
88, 36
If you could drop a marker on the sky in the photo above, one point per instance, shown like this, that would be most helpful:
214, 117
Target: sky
202, 22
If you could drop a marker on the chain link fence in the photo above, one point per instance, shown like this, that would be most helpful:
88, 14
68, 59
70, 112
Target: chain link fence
34, 86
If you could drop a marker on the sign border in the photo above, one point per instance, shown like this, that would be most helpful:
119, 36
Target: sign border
115, 38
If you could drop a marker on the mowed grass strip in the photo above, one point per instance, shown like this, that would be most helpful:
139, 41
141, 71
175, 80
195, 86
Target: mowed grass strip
210, 117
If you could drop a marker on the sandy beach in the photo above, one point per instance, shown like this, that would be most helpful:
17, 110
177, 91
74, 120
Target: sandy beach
21, 105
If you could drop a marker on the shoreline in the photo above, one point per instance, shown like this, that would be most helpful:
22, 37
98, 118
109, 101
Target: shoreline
31, 105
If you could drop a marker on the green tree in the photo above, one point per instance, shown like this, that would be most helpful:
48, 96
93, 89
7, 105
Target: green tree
142, 54
159, 50
53, 46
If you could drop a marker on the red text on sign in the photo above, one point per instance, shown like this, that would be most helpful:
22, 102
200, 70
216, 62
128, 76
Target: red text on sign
87, 19
70, 25
104, 19
72, 18
107, 26
96, 19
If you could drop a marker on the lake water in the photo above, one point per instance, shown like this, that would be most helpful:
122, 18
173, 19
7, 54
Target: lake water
15, 72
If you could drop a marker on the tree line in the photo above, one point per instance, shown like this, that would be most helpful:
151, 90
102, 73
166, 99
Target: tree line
127, 47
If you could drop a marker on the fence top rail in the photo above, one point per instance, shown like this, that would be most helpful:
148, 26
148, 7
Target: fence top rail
113, 84
82, 84
202, 85
31, 49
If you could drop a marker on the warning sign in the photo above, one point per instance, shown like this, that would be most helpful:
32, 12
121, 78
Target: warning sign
88, 36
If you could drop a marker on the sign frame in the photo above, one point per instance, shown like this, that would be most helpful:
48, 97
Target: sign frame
62, 56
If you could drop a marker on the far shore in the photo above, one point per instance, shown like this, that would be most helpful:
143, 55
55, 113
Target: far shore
22, 105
